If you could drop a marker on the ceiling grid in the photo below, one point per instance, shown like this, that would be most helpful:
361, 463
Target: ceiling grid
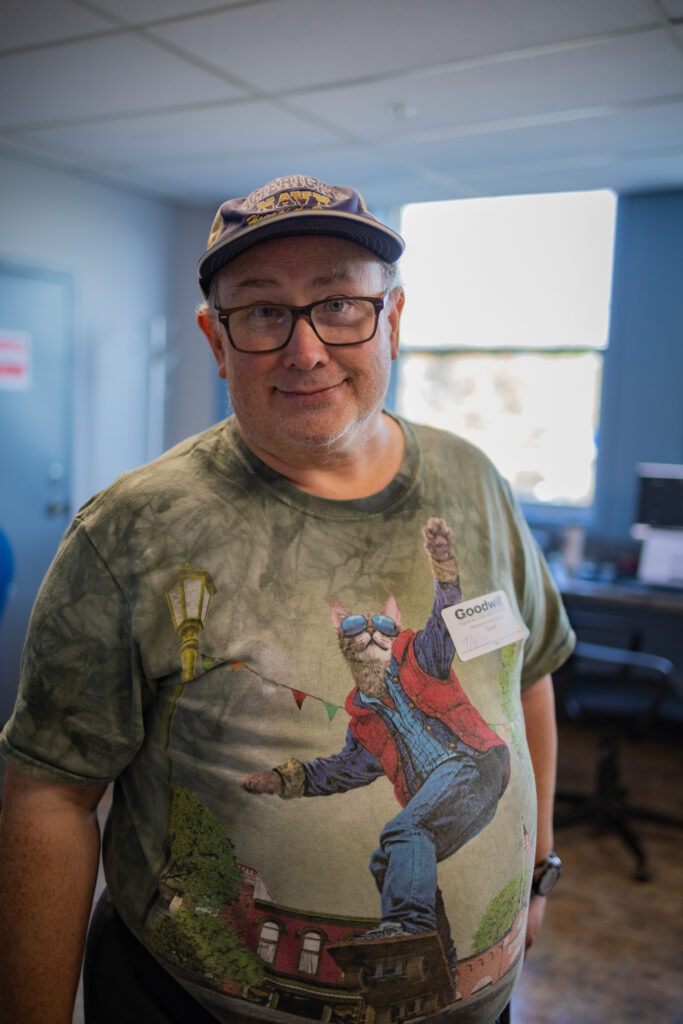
191, 100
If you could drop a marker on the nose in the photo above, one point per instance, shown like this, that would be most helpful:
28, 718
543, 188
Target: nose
305, 350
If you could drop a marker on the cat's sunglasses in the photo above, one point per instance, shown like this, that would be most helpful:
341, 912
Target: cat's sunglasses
352, 625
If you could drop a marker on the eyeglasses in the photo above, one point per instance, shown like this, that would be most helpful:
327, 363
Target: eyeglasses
352, 625
265, 327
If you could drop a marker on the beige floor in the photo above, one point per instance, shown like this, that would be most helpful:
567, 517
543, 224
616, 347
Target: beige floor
611, 949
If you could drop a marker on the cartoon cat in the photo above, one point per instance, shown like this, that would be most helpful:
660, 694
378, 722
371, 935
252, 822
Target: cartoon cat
410, 720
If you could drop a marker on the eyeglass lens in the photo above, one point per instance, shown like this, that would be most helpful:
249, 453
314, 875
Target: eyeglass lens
343, 321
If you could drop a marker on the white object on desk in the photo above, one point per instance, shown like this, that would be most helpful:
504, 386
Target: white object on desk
661, 558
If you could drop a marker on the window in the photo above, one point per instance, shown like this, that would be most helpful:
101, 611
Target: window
395, 967
504, 330
310, 952
408, 1010
269, 938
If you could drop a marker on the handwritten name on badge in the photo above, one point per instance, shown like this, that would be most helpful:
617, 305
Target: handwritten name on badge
483, 624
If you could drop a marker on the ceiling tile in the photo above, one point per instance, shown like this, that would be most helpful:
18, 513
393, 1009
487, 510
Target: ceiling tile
218, 133
674, 8
663, 172
617, 71
236, 175
291, 44
100, 77
603, 138
137, 12
33, 22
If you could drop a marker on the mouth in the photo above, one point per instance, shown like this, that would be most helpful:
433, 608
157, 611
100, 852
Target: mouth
372, 642
304, 394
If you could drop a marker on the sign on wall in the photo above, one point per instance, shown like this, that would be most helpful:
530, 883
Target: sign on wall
15, 360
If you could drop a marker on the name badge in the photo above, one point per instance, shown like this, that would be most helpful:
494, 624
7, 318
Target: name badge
483, 624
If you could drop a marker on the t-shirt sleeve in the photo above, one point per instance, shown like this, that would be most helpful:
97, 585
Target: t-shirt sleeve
78, 714
551, 638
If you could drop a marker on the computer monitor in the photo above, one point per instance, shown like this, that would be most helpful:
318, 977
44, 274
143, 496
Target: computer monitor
660, 495
659, 523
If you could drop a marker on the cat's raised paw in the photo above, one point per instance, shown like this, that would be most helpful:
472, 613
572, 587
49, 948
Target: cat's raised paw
438, 537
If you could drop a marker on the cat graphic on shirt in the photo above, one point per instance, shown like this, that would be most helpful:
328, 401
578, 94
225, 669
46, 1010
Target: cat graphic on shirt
411, 721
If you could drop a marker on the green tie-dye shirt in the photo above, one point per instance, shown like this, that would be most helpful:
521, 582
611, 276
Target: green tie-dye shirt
241, 896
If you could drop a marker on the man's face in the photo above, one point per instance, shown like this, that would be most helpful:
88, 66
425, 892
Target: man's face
307, 396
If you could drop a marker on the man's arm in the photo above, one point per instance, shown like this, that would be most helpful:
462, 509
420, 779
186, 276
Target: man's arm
49, 853
538, 705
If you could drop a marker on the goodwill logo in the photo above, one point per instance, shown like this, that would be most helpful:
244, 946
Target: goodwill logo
477, 609
483, 624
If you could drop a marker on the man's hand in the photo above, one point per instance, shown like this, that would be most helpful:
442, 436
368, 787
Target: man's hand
534, 921
262, 782
438, 539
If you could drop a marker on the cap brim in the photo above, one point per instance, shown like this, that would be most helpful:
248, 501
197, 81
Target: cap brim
381, 240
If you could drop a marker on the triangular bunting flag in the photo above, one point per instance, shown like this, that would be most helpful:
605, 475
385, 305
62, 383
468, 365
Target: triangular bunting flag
237, 664
331, 709
268, 688
299, 697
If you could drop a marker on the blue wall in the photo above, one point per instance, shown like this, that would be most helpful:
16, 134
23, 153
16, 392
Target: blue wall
642, 403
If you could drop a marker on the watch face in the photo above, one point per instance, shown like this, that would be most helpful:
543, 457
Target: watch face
546, 875
547, 880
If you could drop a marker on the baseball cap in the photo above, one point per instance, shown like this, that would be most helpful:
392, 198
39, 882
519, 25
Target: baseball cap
294, 205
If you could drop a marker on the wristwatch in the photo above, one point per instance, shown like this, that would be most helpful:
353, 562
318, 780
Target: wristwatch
546, 875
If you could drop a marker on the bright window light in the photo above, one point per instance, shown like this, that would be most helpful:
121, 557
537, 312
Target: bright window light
506, 319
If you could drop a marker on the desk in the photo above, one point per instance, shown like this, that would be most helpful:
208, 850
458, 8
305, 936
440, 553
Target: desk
657, 611
629, 593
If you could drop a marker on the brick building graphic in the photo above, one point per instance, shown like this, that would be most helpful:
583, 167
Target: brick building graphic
315, 968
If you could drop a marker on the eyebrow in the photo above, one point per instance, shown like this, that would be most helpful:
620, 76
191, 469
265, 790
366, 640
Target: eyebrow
342, 272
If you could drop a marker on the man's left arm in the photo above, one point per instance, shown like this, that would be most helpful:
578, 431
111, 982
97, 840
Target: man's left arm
538, 706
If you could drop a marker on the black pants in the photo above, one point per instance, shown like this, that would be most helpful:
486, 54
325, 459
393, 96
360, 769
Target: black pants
123, 982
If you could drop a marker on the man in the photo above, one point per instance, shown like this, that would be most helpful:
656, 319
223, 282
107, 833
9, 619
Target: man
182, 638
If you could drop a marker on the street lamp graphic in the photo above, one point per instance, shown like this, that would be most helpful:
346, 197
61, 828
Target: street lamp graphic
188, 597
188, 600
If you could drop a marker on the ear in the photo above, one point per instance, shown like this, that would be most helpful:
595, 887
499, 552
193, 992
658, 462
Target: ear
394, 309
215, 336
392, 609
337, 612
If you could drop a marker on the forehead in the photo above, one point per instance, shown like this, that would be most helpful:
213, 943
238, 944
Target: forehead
300, 262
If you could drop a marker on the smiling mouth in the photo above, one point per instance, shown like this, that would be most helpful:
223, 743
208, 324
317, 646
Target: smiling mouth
301, 393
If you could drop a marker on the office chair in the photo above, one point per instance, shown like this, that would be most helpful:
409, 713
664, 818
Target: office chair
610, 684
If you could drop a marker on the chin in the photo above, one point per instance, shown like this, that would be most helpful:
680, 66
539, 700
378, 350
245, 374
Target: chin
311, 435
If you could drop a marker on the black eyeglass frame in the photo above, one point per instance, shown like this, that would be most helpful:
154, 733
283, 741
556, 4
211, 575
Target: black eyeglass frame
298, 312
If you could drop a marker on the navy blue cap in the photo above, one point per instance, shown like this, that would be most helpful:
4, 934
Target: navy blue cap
294, 205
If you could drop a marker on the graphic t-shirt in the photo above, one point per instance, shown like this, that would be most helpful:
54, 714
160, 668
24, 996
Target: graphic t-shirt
205, 621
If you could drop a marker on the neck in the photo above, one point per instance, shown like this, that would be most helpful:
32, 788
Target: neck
369, 678
355, 470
